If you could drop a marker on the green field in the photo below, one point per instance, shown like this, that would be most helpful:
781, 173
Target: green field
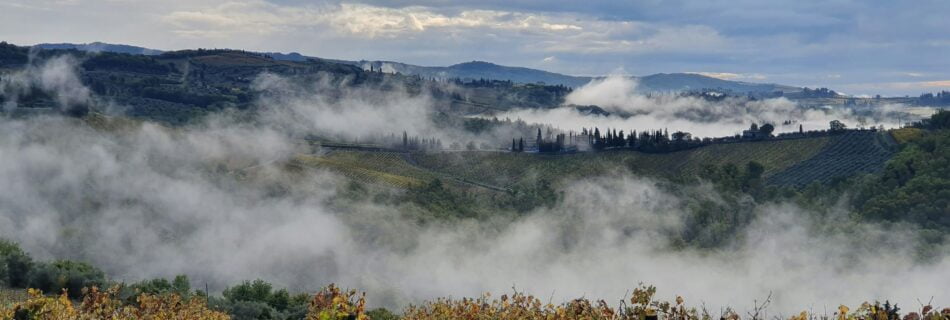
787, 162
387, 168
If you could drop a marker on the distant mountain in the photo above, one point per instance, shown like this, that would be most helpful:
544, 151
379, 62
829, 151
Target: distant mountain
101, 47
692, 81
479, 70
652, 83
293, 56
664, 82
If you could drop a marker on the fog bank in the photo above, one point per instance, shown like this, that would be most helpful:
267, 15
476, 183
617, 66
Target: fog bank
711, 116
215, 202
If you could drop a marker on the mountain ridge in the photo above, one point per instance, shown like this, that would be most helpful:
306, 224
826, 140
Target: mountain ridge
476, 69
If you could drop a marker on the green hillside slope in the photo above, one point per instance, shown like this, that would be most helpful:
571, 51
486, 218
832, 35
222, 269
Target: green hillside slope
794, 162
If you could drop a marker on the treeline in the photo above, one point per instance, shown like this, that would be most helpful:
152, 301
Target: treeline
941, 98
915, 184
649, 141
659, 140
817, 93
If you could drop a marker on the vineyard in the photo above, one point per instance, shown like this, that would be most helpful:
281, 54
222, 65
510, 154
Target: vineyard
848, 154
791, 162
508, 169
332, 303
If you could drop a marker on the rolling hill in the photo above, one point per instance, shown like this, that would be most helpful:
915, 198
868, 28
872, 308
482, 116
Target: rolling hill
484, 70
100, 47
792, 162
661, 82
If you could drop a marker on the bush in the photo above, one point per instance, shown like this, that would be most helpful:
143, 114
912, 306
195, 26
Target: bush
257, 300
72, 276
251, 310
15, 265
105, 305
382, 314
179, 286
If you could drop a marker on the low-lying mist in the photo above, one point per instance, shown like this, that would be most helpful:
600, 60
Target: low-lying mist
215, 201
716, 117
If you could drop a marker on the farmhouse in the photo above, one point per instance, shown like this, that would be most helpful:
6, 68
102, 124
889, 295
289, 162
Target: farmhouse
754, 133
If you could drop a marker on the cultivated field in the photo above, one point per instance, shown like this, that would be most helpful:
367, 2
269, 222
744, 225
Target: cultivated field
794, 162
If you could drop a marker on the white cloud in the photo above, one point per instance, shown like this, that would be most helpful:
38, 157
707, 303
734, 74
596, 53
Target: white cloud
732, 76
775, 39
354, 20
233, 19
636, 37
545, 32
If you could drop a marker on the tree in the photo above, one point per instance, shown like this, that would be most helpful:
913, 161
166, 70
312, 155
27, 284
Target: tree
681, 136
767, 129
65, 274
15, 265
539, 138
940, 120
836, 125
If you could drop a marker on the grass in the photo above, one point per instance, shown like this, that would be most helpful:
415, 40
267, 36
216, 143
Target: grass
385, 168
905, 135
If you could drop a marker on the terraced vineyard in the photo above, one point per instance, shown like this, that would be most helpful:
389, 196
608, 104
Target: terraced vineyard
848, 154
507, 169
795, 162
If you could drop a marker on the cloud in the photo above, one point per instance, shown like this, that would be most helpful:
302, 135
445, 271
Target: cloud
240, 18
629, 37
632, 110
143, 203
793, 43
355, 20
551, 32
56, 76
732, 76
936, 84
371, 21
911, 87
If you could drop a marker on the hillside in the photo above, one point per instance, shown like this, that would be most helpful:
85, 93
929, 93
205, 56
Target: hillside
177, 87
480, 70
661, 82
793, 162
689, 81
99, 47
485, 70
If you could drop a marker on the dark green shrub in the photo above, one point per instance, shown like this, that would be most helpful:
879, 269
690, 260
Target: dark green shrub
16, 265
72, 276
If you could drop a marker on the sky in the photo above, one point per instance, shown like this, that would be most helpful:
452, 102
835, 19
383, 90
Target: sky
855, 47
